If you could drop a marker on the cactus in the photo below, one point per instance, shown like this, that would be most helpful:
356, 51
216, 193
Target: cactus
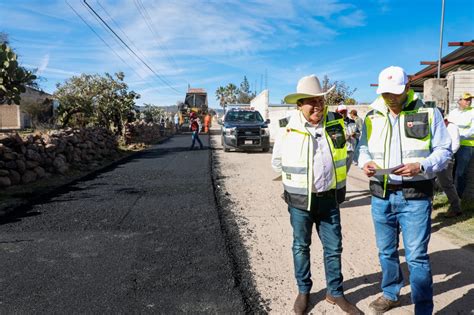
13, 78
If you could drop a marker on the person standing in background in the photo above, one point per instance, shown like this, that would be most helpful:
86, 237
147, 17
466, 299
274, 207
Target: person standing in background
445, 177
351, 134
463, 117
359, 122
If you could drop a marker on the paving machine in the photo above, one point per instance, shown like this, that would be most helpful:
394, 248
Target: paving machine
195, 101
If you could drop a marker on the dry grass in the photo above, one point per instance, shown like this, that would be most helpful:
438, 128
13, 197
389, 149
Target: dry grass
459, 229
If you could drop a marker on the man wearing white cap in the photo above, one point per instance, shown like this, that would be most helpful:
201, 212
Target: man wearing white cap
400, 133
310, 154
463, 117
351, 134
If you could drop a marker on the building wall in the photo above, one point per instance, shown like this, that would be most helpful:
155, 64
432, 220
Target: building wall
10, 117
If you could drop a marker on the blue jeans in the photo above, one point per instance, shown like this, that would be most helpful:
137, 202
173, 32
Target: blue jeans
413, 218
463, 158
196, 137
325, 215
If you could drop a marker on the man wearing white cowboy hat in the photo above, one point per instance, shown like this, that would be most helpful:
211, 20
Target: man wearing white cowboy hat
310, 154
401, 134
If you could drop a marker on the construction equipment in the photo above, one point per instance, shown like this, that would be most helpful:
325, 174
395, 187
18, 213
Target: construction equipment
195, 101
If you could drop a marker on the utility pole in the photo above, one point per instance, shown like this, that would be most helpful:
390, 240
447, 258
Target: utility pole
441, 39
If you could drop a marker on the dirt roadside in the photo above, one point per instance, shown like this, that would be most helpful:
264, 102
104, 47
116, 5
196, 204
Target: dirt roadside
263, 222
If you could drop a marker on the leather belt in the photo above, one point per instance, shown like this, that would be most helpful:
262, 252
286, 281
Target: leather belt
328, 193
394, 187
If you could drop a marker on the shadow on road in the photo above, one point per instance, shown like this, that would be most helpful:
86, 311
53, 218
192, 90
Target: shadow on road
446, 265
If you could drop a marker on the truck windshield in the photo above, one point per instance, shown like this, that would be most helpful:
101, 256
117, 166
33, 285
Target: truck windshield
243, 116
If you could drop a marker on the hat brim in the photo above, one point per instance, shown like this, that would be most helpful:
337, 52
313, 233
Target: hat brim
293, 98
394, 89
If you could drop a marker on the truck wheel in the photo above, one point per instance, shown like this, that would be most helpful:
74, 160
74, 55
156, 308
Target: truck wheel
226, 148
266, 149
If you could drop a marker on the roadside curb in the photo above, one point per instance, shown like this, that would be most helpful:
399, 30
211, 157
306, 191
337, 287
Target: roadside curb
29, 198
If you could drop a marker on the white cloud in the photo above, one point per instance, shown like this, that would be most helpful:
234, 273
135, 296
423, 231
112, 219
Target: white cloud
43, 64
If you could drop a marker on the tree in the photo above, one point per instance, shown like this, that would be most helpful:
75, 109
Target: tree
13, 78
227, 95
40, 112
341, 93
230, 94
152, 113
95, 100
244, 93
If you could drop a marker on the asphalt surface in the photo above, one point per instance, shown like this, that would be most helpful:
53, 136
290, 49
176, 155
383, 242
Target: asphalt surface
143, 236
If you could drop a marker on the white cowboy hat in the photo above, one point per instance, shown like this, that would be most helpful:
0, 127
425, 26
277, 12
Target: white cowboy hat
307, 87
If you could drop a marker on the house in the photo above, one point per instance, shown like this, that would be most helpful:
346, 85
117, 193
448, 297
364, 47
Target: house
33, 102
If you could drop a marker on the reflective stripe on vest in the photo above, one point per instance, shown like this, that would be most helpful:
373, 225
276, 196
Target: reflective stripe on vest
464, 123
297, 156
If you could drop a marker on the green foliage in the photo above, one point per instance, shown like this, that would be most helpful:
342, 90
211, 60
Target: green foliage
230, 94
13, 77
152, 113
341, 93
41, 112
95, 100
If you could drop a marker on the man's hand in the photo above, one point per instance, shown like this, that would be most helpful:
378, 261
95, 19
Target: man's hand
408, 170
369, 168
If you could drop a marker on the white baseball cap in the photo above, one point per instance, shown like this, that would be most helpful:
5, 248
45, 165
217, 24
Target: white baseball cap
341, 108
392, 80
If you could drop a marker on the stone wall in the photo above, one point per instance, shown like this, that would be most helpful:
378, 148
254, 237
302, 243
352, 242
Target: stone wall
25, 159
147, 133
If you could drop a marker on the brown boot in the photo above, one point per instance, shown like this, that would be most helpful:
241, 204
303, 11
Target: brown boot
382, 305
301, 303
343, 304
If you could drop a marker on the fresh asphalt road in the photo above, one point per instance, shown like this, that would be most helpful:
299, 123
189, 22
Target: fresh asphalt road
142, 236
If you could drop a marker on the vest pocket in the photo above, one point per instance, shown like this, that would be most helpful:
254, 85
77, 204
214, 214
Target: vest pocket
417, 125
336, 133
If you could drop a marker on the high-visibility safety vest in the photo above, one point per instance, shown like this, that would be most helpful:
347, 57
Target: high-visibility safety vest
414, 124
464, 119
297, 157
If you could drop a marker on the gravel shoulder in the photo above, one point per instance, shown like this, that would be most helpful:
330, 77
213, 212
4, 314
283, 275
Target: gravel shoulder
253, 194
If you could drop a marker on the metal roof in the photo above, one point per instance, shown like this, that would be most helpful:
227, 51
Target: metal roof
460, 59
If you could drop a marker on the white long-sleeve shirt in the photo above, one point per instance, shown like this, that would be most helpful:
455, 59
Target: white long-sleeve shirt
453, 131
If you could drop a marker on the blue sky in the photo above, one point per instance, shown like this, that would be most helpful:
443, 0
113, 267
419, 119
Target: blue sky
207, 44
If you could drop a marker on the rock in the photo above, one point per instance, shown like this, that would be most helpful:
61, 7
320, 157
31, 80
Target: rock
31, 164
33, 155
50, 147
40, 172
11, 165
5, 181
4, 173
28, 177
21, 166
9, 156
60, 164
15, 177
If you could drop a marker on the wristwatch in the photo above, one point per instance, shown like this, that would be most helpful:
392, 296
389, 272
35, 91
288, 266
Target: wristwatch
422, 169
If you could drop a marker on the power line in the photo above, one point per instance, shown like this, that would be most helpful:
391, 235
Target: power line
131, 50
148, 21
107, 44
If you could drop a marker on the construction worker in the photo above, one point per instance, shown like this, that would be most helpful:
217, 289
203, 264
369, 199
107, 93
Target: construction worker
445, 177
195, 128
463, 117
310, 154
207, 122
409, 142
